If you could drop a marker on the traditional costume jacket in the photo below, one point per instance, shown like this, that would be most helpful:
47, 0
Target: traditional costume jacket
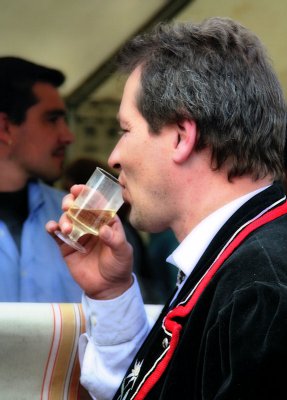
225, 336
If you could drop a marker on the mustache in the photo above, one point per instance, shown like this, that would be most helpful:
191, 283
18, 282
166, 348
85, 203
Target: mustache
59, 150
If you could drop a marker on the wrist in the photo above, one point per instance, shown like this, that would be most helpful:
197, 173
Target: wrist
111, 292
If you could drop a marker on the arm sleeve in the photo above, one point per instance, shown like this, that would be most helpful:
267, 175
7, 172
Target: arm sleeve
115, 329
246, 350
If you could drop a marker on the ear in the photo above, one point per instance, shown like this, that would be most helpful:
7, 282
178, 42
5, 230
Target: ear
5, 136
186, 140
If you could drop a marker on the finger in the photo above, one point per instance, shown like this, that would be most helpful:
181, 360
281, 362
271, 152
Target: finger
67, 201
76, 190
70, 197
51, 226
65, 224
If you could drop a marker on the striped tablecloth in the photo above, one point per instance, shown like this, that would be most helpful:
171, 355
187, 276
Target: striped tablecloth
38, 351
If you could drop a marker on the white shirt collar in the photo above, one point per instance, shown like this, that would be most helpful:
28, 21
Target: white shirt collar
189, 251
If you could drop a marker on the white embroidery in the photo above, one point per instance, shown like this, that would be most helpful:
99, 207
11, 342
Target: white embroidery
129, 381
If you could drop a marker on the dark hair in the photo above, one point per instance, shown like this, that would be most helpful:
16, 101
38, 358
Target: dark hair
17, 77
217, 74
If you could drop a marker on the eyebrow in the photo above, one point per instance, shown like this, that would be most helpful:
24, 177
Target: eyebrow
57, 112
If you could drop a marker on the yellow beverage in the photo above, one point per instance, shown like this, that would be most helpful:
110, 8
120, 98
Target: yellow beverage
90, 221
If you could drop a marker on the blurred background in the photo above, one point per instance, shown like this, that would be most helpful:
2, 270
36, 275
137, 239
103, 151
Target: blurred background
82, 38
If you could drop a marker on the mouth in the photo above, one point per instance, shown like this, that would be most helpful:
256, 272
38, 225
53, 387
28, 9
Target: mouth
60, 152
124, 192
124, 195
122, 183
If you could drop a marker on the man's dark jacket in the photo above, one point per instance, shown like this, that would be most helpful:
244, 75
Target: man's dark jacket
233, 343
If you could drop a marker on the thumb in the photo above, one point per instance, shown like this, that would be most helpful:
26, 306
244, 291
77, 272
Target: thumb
114, 237
106, 235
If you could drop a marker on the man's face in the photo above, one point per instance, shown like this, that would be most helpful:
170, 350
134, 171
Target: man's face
144, 162
39, 143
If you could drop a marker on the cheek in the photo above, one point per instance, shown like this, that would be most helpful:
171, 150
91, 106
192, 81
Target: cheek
23, 148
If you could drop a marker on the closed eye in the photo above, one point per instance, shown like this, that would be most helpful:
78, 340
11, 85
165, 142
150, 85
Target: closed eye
54, 116
121, 132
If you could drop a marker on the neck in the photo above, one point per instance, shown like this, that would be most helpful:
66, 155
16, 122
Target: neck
208, 195
11, 179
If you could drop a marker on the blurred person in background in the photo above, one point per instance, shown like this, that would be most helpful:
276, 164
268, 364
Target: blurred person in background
34, 136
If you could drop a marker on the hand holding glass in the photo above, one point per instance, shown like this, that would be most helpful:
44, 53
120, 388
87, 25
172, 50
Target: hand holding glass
96, 205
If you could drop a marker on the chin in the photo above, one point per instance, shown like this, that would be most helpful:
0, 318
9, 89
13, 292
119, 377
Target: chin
51, 178
138, 222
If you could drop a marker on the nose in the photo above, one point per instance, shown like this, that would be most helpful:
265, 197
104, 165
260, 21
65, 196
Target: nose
66, 135
113, 160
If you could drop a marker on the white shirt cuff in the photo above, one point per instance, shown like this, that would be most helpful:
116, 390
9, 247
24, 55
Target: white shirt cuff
115, 321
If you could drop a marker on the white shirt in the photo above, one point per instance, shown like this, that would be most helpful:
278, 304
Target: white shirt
115, 329
187, 254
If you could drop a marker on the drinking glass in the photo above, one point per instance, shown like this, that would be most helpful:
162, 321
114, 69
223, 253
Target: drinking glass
96, 205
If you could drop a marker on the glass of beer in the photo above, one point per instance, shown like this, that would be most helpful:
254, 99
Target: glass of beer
96, 205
